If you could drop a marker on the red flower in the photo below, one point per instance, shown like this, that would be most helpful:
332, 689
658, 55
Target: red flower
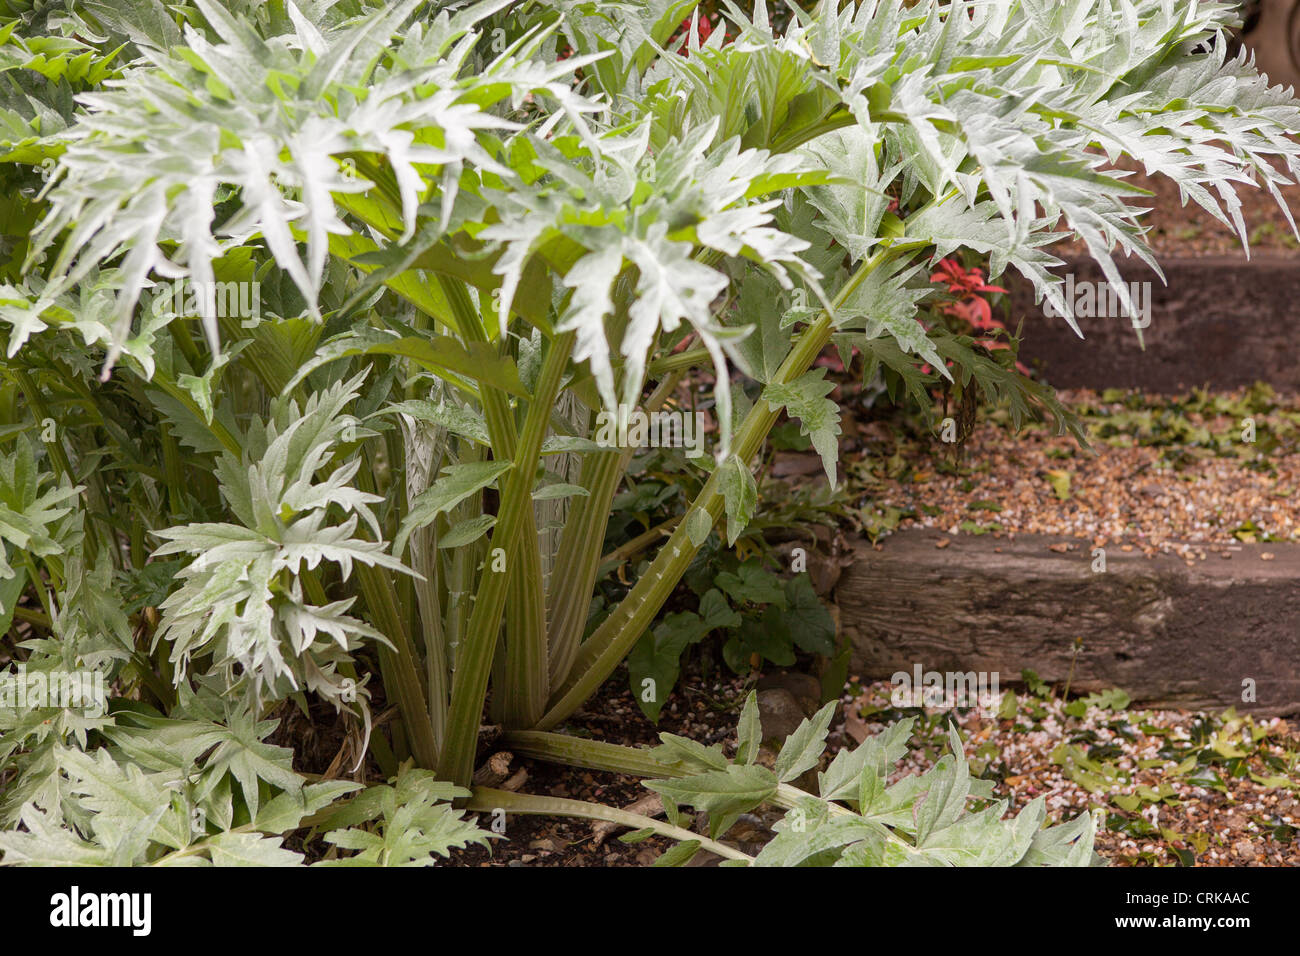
967, 285
968, 288
684, 32
959, 279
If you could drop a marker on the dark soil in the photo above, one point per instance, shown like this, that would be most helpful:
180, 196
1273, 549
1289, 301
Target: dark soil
704, 715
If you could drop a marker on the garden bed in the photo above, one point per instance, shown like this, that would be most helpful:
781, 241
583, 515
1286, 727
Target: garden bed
1173, 787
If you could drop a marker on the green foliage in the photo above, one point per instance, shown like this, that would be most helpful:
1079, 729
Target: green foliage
819, 417
126, 816
406, 823
858, 818
758, 616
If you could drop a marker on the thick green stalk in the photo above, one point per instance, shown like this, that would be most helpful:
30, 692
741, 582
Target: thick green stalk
579, 555
590, 754
612, 641
619, 758
424, 560
581, 545
522, 695
630, 549
523, 673
427, 613
527, 659
400, 663
486, 800
679, 361
460, 576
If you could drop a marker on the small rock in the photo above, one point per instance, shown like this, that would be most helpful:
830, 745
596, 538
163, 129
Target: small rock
807, 690
704, 858
1244, 850
779, 713
749, 829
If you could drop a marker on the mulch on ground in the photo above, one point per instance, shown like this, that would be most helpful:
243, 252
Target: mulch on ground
1171, 787
703, 710
1197, 475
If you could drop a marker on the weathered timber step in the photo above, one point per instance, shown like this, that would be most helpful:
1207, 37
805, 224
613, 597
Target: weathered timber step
1222, 321
1168, 634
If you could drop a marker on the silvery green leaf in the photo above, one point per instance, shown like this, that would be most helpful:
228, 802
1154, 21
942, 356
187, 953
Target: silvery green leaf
749, 733
456, 483
559, 489
874, 756
739, 495
947, 785
467, 531
690, 754
819, 417
286, 811
723, 794
250, 849
679, 855
803, 749
699, 524
42, 842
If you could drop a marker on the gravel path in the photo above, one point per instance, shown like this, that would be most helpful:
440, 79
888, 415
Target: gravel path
1165, 474
1173, 788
